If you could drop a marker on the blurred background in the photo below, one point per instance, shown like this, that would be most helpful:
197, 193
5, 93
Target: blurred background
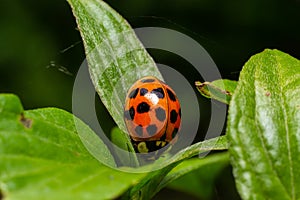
41, 49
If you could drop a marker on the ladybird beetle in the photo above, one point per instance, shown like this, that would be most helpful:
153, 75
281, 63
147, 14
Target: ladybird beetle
152, 114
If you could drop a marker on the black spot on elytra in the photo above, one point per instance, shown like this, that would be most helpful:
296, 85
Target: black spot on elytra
174, 133
133, 93
143, 107
126, 115
180, 112
151, 129
129, 114
159, 92
139, 130
143, 91
171, 95
173, 116
149, 80
160, 114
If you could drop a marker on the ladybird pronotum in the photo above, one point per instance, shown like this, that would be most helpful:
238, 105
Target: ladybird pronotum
152, 114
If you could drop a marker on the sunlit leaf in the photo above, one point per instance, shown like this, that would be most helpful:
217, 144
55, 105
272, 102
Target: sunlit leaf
264, 128
221, 90
154, 181
42, 157
115, 56
125, 158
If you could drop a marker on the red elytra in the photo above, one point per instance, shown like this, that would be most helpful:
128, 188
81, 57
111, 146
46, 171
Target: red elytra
152, 114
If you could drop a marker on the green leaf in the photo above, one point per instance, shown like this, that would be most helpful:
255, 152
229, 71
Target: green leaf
221, 90
197, 176
150, 185
42, 157
264, 128
218, 143
115, 56
125, 157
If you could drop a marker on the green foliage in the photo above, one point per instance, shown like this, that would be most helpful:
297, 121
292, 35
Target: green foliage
40, 150
264, 128
221, 90
116, 60
121, 139
156, 180
196, 176
42, 157
115, 56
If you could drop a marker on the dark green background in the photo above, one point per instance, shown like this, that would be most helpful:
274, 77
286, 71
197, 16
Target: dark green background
34, 33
